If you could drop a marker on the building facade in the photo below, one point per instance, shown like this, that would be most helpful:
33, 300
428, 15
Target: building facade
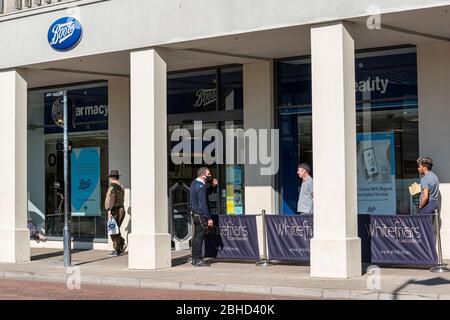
327, 75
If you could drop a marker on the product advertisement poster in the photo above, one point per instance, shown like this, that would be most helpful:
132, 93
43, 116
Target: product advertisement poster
376, 173
234, 190
85, 186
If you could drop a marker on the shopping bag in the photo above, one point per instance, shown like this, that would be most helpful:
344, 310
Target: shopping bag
112, 226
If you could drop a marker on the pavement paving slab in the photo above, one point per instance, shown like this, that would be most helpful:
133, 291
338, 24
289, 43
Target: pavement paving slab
96, 267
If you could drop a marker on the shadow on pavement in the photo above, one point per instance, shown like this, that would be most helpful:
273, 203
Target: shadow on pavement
177, 261
49, 255
437, 281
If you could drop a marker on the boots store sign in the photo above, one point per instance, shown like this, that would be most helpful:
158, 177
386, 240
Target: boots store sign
65, 33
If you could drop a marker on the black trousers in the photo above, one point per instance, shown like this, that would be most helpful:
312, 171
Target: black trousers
200, 227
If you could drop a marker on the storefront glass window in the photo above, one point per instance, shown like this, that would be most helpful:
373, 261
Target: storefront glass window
192, 92
197, 91
88, 136
386, 125
231, 89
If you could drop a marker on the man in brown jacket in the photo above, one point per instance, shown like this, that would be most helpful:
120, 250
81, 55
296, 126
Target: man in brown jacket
114, 204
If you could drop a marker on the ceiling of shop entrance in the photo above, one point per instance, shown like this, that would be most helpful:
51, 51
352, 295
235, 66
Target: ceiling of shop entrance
412, 27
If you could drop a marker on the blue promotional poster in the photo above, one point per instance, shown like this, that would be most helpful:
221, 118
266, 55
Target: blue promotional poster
376, 173
85, 187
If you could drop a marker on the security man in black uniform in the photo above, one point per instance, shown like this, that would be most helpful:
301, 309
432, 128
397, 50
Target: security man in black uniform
199, 207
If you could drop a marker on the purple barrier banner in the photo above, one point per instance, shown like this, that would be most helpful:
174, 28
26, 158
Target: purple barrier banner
233, 237
400, 239
288, 237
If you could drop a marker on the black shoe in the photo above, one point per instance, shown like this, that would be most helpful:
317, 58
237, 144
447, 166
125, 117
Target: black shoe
114, 254
200, 263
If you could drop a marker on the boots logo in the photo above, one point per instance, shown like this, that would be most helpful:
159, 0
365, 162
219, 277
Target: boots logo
84, 184
64, 34
204, 97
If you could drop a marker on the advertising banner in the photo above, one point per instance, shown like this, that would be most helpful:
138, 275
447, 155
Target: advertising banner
376, 173
408, 239
85, 182
233, 237
288, 237
234, 190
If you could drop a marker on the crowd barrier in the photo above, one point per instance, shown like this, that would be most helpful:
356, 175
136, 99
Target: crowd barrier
385, 239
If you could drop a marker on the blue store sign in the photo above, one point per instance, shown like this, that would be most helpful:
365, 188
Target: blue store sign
89, 110
65, 33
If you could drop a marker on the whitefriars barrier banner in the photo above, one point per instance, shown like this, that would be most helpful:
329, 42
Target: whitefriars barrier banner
402, 239
288, 237
233, 237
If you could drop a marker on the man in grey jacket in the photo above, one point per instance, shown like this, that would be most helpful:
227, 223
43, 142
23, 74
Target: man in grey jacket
305, 199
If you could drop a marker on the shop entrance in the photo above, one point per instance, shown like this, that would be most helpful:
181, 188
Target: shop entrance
214, 98
227, 198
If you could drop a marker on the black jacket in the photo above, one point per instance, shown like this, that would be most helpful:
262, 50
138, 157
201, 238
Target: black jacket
198, 198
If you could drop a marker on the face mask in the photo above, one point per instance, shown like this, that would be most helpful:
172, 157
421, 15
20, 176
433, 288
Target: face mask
208, 178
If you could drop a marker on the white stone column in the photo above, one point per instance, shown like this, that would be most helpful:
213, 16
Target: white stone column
119, 141
258, 114
36, 169
335, 248
150, 240
14, 235
433, 70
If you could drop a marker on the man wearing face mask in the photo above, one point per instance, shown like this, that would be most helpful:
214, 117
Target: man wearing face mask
199, 207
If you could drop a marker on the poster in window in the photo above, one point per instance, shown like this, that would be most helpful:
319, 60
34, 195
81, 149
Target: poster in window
85, 186
234, 190
376, 173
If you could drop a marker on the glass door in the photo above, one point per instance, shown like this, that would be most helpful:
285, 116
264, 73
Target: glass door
228, 197
186, 172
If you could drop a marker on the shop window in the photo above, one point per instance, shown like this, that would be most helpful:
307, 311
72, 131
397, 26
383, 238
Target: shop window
205, 90
88, 159
386, 126
189, 92
231, 89
217, 89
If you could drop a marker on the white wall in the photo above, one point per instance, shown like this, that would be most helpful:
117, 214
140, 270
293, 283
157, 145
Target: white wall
125, 25
150, 246
14, 235
119, 140
335, 247
433, 67
36, 161
258, 114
